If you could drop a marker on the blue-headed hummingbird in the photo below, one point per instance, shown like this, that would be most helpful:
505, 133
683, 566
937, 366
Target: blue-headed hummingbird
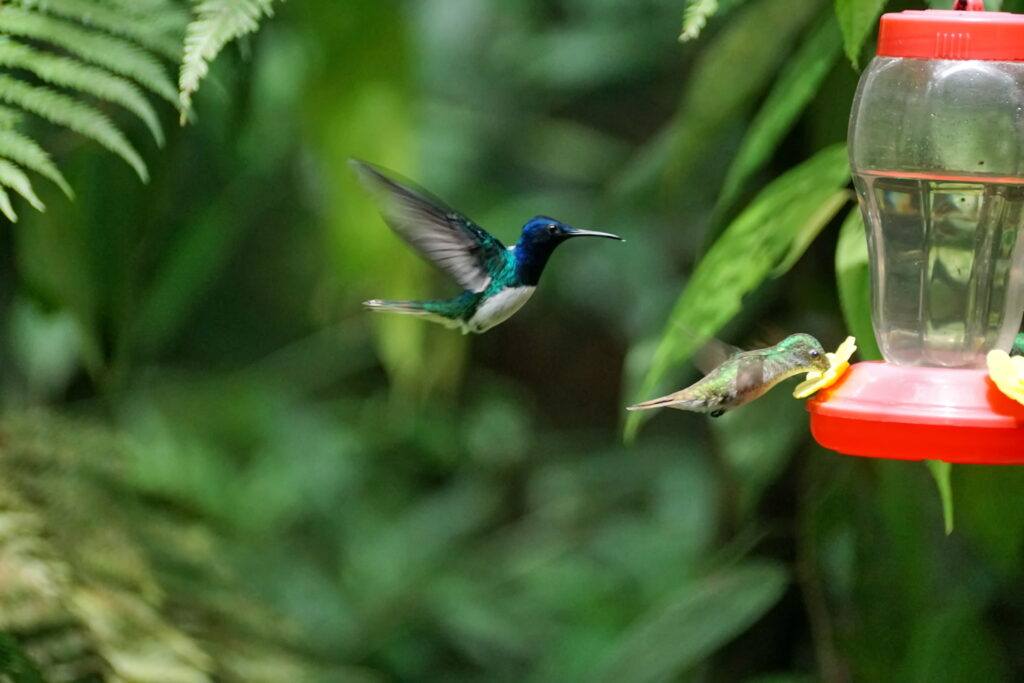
496, 280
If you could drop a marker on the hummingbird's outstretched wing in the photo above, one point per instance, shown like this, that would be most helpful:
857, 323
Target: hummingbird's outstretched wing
442, 235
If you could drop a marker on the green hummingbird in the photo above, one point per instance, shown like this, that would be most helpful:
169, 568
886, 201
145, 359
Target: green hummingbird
734, 377
1018, 345
496, 280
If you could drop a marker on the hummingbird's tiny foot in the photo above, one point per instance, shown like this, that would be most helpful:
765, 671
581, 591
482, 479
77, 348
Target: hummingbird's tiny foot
717, 413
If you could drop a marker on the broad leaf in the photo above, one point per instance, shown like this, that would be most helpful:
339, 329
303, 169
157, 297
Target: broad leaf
853, 277
742, 258
810, 229
856, 20
683, 631
732, 70
791, 93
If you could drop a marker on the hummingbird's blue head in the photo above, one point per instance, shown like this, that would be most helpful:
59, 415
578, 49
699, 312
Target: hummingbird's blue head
539, 238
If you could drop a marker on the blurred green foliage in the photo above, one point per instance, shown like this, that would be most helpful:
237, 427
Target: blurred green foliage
203, 428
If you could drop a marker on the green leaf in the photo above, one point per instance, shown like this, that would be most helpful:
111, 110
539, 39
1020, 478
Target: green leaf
811, 228
793, 90
857, 19
74, 114
941, 474
853, 277
701, 618
742, 258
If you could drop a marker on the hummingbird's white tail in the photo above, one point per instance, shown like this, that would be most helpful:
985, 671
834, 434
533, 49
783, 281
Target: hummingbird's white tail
663, 402
415, 308
406, 307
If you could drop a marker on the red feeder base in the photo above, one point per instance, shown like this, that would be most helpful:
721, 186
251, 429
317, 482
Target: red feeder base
880, 410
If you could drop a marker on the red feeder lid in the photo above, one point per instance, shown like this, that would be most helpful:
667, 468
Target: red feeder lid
880, 410
952, 34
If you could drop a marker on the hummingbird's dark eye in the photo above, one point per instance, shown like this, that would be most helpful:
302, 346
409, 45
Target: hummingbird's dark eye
552, 229
814, 353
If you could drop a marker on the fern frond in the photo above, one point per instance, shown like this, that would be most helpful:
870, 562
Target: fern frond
13, 177
144, 597
74, 622
165, 16
216, 23
96, 15
70, 113
695, 18
70, 73
6, 208
25, 152
9, 118
112, 53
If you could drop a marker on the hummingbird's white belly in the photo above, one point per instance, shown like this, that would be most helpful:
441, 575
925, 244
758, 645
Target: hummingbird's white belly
498, 308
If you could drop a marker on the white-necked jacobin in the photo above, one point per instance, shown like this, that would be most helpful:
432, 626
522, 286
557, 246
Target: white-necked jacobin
735, 377
496, 280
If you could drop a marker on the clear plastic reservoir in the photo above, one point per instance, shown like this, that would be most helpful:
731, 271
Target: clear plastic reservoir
937, 150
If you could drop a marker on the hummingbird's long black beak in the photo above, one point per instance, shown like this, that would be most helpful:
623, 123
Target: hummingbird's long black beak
575, 232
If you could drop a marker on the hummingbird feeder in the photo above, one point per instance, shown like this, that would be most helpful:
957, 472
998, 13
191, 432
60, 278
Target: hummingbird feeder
937, 153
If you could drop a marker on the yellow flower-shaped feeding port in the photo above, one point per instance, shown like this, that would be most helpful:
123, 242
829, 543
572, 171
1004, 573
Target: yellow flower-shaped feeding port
1007, 372
838, 363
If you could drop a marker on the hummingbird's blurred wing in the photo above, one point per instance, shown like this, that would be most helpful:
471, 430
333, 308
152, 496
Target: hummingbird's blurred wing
713, 353
442, 235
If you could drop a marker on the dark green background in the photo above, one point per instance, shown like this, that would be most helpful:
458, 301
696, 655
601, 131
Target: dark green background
418, 505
